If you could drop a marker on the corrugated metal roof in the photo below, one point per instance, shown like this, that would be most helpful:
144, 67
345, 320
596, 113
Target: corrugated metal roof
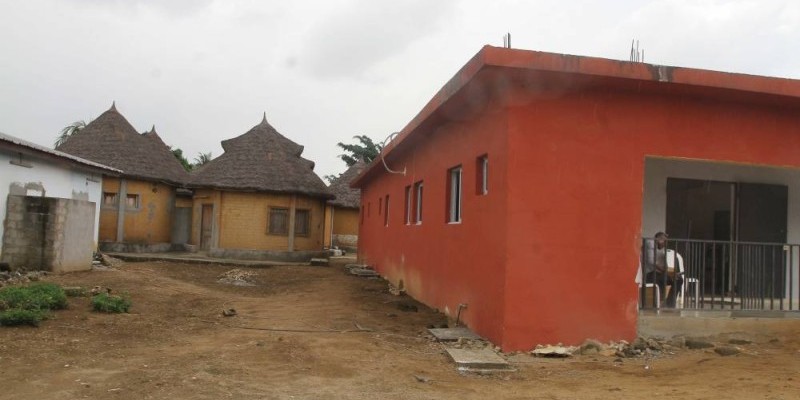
33, 146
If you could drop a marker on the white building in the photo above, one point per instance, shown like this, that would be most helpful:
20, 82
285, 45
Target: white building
28, 169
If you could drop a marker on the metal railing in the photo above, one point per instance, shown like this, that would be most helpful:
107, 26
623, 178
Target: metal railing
719, 275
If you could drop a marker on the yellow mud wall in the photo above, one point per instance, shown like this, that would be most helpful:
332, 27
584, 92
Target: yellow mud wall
345, 221
244, 218
151, 221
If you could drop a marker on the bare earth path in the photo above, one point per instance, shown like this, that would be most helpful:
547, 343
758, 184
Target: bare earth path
176, 344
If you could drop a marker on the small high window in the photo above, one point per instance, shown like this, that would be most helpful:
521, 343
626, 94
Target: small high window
409, 198
109, 199
132, 201
454, 195
418, 202
278, 221
386, 211
482, 177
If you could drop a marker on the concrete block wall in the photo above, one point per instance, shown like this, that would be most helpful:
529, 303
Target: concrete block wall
48, 233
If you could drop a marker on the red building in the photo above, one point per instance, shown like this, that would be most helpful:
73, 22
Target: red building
531, 179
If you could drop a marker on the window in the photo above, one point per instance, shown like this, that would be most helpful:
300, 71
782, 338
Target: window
278, 221
418, 206
132, 201
482, 177
109, 199
386, 212
302, 220
454, 195
409, 198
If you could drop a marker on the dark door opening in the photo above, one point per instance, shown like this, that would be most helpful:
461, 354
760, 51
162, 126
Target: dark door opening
731, 212
205, 227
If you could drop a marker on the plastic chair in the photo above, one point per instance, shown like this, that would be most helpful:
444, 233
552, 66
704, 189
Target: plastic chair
671, 258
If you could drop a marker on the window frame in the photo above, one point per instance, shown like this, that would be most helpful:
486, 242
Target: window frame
114, 203
386, 211
408, 204
419, 191
137, 201
455, 194
482, 175
307, 212
276, 209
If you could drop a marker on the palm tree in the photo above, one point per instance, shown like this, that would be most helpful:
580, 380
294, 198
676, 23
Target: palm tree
202, 159
366, 150
68, 131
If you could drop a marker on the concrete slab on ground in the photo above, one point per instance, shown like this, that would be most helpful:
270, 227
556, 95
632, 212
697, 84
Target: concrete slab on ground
477, 360
453, 334
196, 258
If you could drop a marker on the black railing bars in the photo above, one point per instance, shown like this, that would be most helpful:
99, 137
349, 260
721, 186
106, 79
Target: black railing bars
719, 275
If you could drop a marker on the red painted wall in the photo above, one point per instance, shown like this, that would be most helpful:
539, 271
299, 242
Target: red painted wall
576, 180
444, 264
551, 253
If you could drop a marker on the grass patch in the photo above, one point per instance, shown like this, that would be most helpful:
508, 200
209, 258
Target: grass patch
29, 305
111, 304
19, 316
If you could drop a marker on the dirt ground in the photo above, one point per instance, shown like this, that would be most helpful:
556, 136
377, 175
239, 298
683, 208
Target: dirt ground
175, 343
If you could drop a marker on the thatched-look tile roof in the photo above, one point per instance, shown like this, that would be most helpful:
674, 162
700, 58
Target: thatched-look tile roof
261, 160
111, 140
340, 187
153, 135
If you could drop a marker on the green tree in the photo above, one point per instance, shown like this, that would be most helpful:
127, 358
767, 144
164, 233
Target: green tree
202, 159
365, 150
68, 131
178, 153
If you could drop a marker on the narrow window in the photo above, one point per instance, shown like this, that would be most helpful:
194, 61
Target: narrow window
454, 195
418, 206
109, 199
278, 221
132, 201
386, 212
302, 219
482, 181
409, 197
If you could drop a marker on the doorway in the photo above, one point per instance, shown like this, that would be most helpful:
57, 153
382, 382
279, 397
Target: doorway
732, 212
205, 226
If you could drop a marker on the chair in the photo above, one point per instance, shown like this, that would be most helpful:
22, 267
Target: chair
671, 258
656, 289
656, 293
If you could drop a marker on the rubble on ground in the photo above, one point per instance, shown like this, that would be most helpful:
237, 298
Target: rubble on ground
238, 277
20, 276
640, 347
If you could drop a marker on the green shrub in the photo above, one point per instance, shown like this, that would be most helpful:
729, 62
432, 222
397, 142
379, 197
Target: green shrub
19, 316
111, 304
38, 296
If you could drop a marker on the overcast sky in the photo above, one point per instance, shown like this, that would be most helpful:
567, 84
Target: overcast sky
204, 71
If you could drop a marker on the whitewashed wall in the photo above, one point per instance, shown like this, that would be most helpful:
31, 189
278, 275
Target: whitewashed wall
56, 179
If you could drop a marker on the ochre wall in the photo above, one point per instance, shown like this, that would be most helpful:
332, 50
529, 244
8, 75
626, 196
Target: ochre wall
444, 264
241, 220
575, 203
108, 214
345, 221
150, 223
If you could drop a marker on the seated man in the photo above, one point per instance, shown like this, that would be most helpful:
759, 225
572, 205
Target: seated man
660, 267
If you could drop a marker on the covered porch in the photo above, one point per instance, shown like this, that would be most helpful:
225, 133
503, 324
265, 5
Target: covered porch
734, 235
